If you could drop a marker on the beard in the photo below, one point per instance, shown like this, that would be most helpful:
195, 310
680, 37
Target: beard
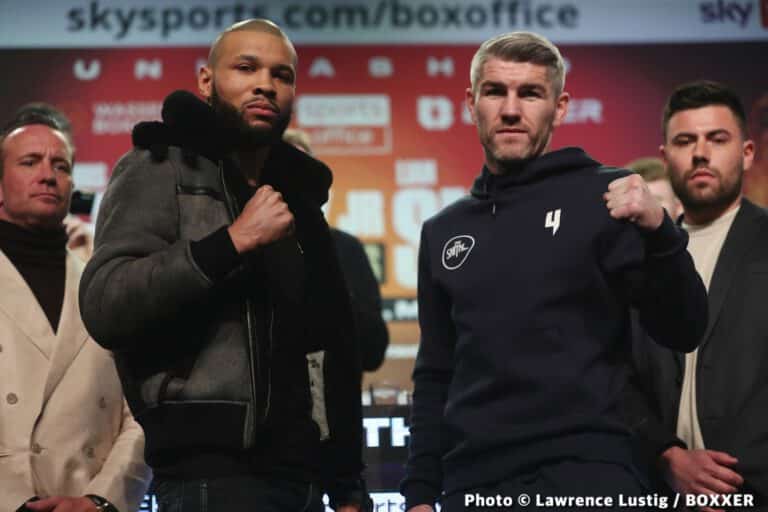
510, 158
712, 199
247, 136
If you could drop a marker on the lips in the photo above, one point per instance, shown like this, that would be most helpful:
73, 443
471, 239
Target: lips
512, 131
701, 173
261, 108
48, 197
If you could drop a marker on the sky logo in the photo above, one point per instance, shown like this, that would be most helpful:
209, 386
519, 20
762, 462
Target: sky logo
724, 11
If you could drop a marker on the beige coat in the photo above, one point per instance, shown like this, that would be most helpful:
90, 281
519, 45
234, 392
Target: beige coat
65, 428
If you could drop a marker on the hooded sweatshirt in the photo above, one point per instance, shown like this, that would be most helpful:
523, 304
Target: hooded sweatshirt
525, 289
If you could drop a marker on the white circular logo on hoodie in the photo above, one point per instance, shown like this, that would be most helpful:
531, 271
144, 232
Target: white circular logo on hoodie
456, 251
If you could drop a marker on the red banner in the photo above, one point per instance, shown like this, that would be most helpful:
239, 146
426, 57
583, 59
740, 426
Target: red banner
389, 120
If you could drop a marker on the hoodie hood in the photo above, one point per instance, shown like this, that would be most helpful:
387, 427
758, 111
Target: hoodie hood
193, 126
537, 169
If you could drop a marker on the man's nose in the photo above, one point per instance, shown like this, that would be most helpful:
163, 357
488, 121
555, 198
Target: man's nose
510, 108
701, 151
47, 172
264, 83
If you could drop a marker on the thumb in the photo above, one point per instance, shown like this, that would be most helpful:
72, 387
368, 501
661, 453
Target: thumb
43, 505
722, 458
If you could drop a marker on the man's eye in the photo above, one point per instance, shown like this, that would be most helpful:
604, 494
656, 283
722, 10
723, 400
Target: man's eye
285, 77
244, 67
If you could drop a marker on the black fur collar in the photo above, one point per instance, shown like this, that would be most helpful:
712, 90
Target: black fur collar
190, 124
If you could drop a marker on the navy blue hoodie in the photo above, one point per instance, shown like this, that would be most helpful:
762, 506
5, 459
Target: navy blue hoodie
525, 289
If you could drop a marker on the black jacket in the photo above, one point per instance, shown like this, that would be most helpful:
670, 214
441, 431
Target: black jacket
525, 290
370, 329
731, 394
211, 346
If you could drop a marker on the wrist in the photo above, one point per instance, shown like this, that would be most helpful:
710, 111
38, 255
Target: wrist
102, 504
242, 243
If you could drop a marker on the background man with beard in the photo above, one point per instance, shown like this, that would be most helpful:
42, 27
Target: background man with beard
524, 296
215, 283
704, 417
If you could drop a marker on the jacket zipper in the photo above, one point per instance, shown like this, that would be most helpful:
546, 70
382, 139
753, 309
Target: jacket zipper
254, 362
269, 366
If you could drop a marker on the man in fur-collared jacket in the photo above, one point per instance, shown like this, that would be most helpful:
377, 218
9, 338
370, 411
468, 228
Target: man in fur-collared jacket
215, 282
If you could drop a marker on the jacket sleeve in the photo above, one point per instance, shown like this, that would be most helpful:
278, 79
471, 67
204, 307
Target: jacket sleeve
651, 436
432, 374
658, 277
141, 276
370, 329
124, 477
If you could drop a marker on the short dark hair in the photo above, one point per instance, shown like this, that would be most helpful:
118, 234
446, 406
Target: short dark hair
37, 113
703, 93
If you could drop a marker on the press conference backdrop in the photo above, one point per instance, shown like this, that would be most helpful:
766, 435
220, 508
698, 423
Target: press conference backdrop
381, 87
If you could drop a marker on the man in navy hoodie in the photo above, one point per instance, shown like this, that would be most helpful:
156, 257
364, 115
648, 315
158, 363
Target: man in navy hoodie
525, 289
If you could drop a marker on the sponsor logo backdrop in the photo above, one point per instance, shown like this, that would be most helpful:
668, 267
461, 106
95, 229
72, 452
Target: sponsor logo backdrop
389, 120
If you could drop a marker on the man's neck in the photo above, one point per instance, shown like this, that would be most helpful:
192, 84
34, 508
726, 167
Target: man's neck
707, 215
252, 163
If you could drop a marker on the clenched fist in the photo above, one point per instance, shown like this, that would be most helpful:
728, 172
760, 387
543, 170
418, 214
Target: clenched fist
266, 218
629, 198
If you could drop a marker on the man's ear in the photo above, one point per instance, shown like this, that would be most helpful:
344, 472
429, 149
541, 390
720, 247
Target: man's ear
748, 153
561, 108
205, 81
470, 102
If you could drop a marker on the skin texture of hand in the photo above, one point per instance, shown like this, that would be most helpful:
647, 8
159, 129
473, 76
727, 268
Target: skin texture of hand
63, 504
80, 237
700, 472
421, 508
265, 219
630, 198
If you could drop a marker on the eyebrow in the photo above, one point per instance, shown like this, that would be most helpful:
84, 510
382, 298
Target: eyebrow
524, 86
492, 83
530, 85
39, 155
255, 60
710, 133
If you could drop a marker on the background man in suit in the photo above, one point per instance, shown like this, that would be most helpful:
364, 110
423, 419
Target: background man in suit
66, 433
705, 415
371, 333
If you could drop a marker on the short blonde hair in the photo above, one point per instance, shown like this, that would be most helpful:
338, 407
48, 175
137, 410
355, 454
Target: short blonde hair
649, 168
520, 47
298, 138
